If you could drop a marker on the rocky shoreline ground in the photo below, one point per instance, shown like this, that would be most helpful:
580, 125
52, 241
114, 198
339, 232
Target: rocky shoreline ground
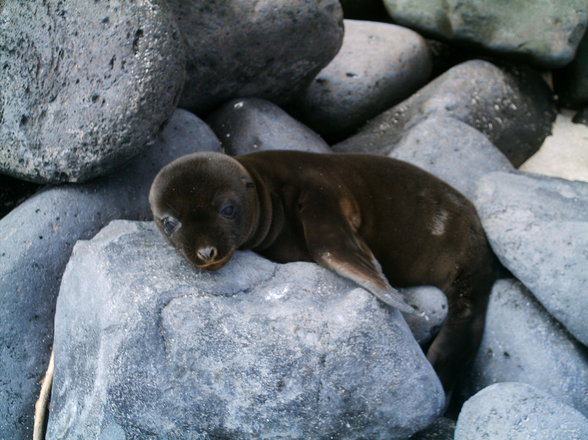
95, 99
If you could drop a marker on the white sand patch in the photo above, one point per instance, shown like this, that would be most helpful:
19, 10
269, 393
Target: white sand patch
563, 154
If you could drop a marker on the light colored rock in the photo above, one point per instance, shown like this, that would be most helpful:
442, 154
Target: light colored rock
255, 349
252, 124
516, 411
451, 150
563, 154
431, 306
523, 343
538, 228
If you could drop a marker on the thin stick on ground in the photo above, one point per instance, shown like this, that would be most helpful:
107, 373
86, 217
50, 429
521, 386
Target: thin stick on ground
42, 403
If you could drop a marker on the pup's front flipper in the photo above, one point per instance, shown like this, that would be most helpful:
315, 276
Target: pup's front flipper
333, 242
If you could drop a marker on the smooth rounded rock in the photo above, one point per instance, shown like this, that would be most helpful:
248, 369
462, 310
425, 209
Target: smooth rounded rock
538, 228
253, 124
517, 411
430, 304
83, 89
36, 240
451, 150
544, 32
512, 107
378, 66
271, 50
255, 349
523, 343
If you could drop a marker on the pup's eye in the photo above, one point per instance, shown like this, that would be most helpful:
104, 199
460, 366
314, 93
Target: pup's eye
228, 211
170, 225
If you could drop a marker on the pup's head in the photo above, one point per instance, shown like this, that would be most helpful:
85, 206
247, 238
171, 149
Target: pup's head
205, 204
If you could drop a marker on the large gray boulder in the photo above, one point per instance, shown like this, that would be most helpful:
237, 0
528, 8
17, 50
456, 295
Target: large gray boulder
148, 346
378, 66
545, 32
523, 343
517, 411
513, 108
270, 49
253, 124
538, 228
36, 240
84, 87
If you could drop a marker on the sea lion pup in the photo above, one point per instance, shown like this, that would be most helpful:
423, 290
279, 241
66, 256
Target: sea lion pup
371, 219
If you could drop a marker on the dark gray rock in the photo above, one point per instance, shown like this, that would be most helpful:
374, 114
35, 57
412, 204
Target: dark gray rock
442, 429
538, 228
571, 83
451, 150
36, 240
378, 66
373, 10
581, 117
431, 306
517, 411
514, 109
271, 51
253, 124
546, 33
83, 89
253, 350
523, 343
13, 192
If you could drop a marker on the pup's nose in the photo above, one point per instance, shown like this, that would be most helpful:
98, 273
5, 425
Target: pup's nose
207, 253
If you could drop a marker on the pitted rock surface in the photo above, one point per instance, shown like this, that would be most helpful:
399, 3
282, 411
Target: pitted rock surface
84, 89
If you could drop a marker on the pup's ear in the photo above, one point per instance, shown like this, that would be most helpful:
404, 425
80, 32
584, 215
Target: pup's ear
248, 182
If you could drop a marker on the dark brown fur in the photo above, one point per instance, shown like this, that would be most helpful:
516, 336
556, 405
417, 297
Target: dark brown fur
343, 211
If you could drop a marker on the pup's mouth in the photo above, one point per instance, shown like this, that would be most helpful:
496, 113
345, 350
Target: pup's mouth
216, 264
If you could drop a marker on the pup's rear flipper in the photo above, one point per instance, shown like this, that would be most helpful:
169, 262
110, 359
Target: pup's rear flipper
459, 338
